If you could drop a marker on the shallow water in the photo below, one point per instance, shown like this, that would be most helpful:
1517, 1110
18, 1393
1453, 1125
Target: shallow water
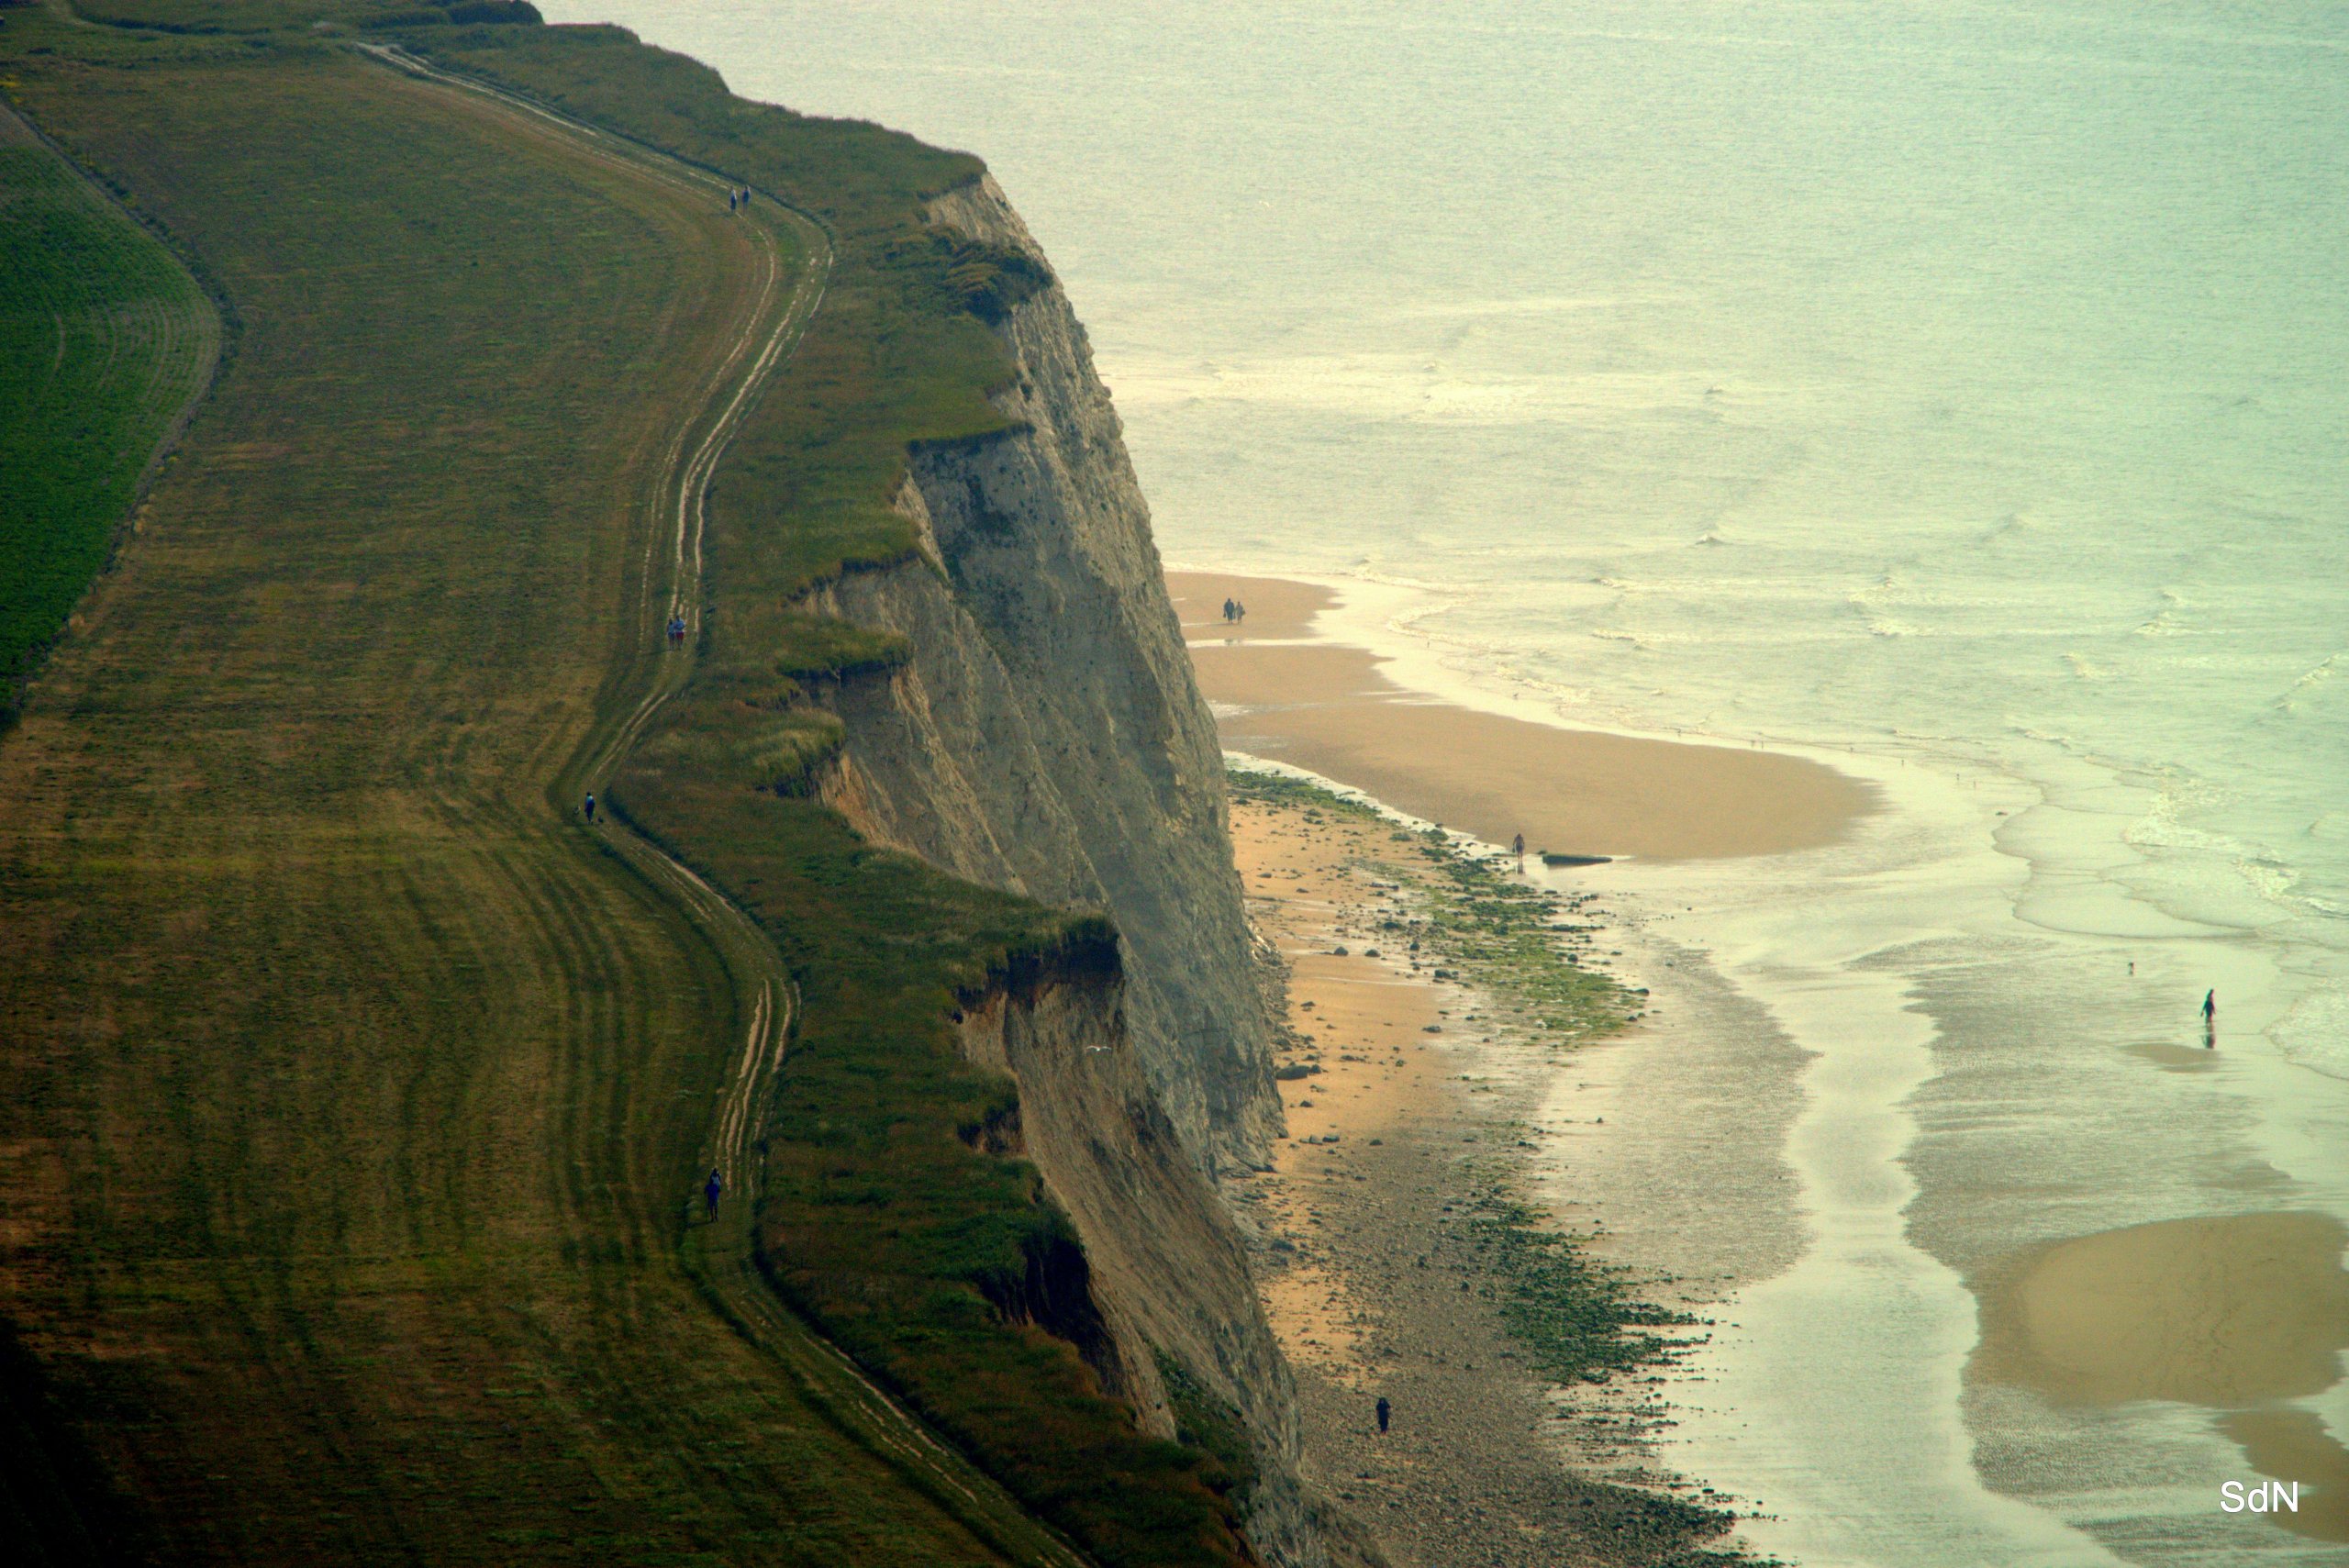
1954, 387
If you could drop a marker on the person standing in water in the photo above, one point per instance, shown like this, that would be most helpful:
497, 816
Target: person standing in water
2211, 1019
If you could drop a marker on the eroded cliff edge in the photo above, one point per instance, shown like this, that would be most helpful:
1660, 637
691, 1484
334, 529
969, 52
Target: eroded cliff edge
1045, 735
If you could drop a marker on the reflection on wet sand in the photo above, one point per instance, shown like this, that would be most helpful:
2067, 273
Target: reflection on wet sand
2237, 1313
2177, 1057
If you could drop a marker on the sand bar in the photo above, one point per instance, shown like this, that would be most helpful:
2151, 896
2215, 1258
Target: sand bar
1330, 708
2224, 1311
2237, 1313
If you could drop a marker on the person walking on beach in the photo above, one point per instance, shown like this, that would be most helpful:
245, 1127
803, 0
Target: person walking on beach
2211, 1019
1227, 609
1384, 1410
711, 1191
1239, 610
1517, 848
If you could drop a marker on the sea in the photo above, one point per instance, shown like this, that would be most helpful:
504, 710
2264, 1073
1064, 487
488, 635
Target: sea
1954, 391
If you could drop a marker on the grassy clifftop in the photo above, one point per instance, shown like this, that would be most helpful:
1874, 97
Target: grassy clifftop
350, 1090
900, 1241
104, 338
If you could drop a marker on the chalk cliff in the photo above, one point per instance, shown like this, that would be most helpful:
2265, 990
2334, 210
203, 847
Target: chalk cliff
1045, 735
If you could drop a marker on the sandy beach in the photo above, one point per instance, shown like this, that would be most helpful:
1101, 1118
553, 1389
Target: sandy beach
1425, 1090
1326, 707
1416, 1099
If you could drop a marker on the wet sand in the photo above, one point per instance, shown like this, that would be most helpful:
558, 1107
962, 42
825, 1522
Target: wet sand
1411, 1106
2224, 1312
2232, 1313
1329, 708
2237, 1316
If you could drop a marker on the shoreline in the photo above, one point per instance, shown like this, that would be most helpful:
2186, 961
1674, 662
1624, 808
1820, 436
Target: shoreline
1691, 1217
1761, 1153
1709, 1184
1413, 1085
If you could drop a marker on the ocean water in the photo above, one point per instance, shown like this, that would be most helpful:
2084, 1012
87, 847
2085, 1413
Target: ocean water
1951, 391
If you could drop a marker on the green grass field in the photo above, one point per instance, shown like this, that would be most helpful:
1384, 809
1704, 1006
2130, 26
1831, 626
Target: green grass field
353, 1092
104, 338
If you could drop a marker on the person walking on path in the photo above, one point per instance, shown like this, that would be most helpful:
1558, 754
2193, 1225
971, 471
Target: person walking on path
1384, 1410
590, 806
711, 1191
2211, 1019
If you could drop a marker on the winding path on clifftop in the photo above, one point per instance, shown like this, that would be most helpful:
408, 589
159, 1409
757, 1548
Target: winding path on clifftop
722, 1253
352, 1091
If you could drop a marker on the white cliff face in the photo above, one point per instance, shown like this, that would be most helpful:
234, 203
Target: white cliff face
1047, 735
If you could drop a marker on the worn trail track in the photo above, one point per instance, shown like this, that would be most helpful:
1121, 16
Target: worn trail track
721, 1250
